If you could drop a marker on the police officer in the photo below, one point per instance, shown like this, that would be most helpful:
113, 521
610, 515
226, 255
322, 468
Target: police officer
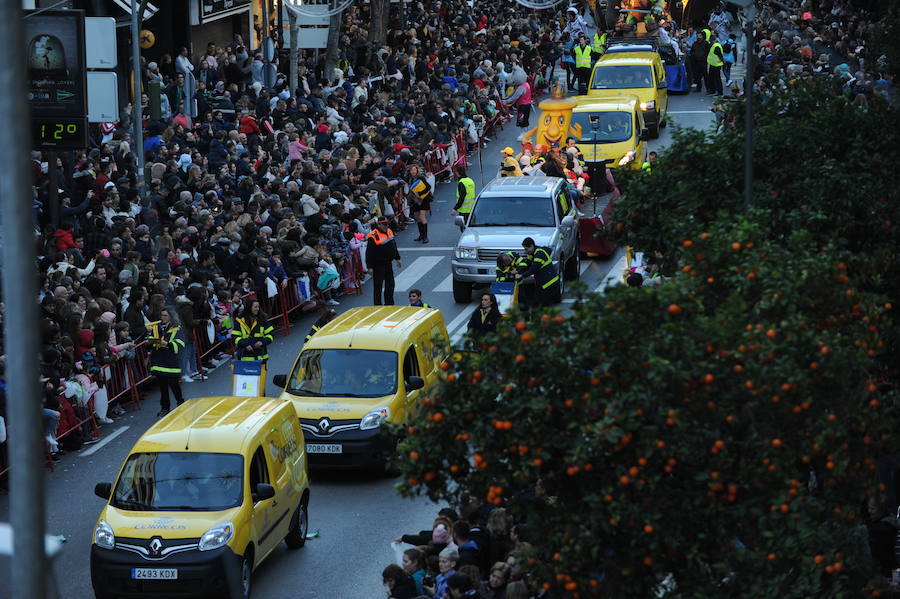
546, 277
583, 64
715, 59
327, 317
415, 299
465, 195
252, 333
598, 44
165, 362
381, 250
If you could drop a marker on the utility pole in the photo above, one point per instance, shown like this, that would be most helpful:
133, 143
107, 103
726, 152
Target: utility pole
30, 571
294, 39
748, 99
137, 116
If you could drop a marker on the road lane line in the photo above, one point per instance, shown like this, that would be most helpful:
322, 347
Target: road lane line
460, 318
585, 264
615, 271
97, 447
425, 248
444, 286
415, 271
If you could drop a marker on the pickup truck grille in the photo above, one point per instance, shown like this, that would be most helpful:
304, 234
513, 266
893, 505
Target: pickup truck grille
490, 255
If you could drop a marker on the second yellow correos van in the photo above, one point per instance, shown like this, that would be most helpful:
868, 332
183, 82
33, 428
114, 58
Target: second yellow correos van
639, 73
368, 366
611, 127
204, 496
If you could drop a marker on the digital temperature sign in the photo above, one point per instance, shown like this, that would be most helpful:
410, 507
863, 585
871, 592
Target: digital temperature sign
59, 133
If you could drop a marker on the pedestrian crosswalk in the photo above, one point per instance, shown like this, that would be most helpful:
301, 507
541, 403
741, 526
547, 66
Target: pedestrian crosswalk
420, 267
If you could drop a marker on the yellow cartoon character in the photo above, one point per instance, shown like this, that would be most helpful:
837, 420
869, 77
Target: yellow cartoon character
554, 123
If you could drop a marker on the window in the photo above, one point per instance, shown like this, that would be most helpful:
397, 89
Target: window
180, 481
504, 212
344, 373
623, 77
410, 364
259, 471
603, 127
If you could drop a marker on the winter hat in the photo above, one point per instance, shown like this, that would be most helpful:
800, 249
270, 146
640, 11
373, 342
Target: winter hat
440, 536
108, 317
184, 161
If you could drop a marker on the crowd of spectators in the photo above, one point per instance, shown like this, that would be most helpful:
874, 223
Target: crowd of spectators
478, 553
260, 187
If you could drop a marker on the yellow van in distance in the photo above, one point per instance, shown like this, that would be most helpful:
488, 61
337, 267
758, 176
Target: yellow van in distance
611, 127
635, 73
368, 366
202, 498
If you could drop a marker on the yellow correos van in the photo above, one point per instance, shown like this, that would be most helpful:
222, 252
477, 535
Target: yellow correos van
639, 73
611, 127
368, 366
204, 496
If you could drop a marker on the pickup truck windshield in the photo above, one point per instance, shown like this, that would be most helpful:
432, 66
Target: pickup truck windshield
504, 212
180, 481
622, 77
607, 127
345, 373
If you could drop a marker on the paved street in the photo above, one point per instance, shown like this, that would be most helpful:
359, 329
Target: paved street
358, 515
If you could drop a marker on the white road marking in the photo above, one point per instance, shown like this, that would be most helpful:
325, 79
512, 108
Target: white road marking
444, 286
98, 446
460, 319
425, 248
415, 271
617, 269
585, 264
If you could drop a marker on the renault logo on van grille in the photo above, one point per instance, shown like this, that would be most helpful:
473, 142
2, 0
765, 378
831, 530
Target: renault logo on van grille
155, 546
324, 425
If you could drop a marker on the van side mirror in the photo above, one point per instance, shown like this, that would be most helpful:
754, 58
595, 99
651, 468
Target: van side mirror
663, 84
103, 490
280, 380
263, 492
645, 135
460, 220
414, 382
567, 221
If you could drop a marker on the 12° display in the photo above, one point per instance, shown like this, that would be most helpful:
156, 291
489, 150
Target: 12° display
60, 133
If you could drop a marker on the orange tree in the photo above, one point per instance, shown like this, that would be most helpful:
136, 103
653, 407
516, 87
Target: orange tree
718, 432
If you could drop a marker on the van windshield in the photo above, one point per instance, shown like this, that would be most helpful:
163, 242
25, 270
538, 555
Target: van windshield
622, 77
603, 127
344, 373
505, 212
180, 481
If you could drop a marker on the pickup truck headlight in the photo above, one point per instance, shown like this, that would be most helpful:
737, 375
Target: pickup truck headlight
216, 537
103, 535
648, 105
466, 253
374, 419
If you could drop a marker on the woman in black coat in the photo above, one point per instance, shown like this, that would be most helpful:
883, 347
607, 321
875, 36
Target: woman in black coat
399, 583
486, 317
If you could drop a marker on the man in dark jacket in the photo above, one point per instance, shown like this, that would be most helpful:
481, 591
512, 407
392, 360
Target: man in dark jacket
469, 551
381, 250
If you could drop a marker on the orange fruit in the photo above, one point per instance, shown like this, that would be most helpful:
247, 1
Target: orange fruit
520, 358
521, 326
526, 337
687, 243
437, 417
736, 246
674, 309
414, 455
771, 333
648, 529
776, 443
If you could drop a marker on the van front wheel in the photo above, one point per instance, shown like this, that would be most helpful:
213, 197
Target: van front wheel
241, 585
296, 536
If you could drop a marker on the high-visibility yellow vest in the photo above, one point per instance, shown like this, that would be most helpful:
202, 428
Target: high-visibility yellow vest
599, 43
583, 57
469, 200
712, 59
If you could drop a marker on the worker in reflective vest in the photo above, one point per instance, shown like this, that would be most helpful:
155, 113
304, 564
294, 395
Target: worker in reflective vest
509, 167
598, 45
583, 64
715, 58
165, 362
327, 317
252, 333
546, 277
415, 299
508, 265
465, 195
381, 251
